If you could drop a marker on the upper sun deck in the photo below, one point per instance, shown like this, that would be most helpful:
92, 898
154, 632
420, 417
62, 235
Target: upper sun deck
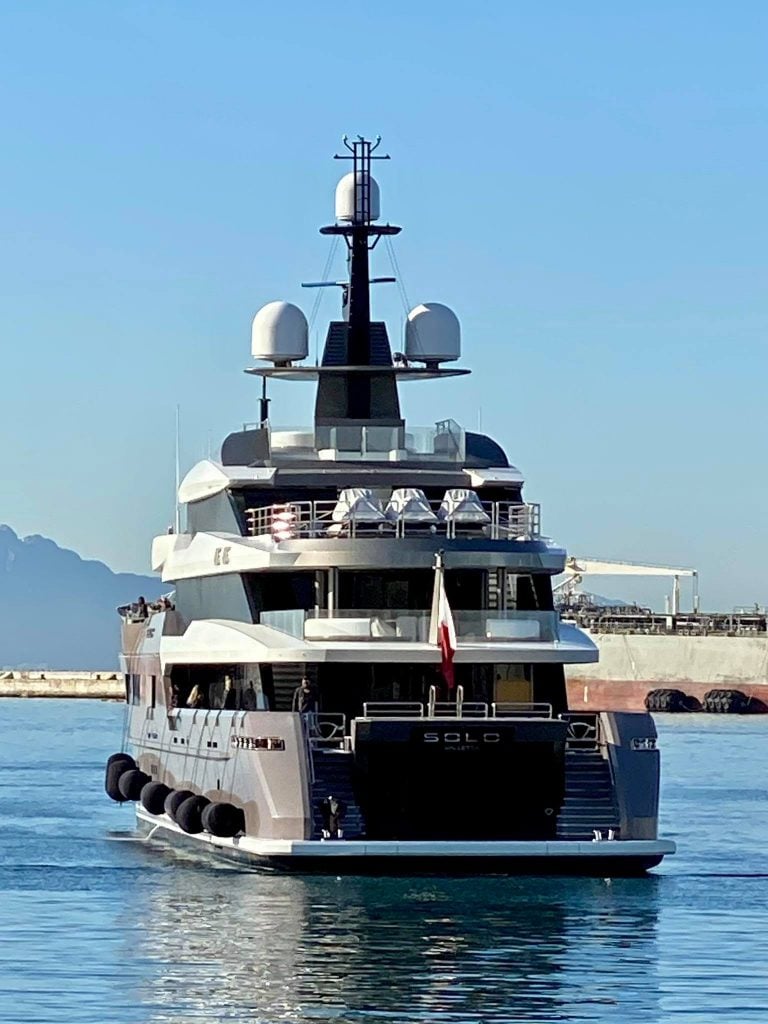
352, 442
337, 499
403, 512
339, 503
445, 442
352, 455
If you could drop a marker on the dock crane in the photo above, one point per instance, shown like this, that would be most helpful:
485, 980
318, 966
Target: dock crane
577, 567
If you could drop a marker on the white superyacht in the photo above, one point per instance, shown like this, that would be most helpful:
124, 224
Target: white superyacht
361, 667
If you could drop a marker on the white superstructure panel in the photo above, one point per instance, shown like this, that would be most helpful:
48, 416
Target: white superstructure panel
207, 478
222, 641
498, 475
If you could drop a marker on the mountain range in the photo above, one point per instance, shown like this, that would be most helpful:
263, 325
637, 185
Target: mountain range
57, 610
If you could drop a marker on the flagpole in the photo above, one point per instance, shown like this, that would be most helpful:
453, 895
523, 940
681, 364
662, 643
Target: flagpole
439, 569
177, 512
442, 630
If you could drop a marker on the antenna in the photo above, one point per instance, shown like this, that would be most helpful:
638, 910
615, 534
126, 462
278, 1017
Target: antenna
357, 209
345, 288
264, 405
177, 516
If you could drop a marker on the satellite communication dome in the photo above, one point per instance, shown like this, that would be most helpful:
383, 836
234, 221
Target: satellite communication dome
432, 334
345, 198
279, 333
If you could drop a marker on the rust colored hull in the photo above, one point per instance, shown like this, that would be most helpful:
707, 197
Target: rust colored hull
629, 694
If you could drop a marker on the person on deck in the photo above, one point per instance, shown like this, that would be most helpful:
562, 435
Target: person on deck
306, 697
229, 702
196, 698
306, 700
249, 700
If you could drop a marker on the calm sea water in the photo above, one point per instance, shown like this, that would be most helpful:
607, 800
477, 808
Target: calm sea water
98, 930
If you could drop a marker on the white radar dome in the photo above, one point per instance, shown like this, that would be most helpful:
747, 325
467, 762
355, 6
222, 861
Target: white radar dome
279, 333
432, 334
345, 198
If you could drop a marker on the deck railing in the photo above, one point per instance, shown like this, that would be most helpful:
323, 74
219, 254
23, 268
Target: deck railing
584, 731
322, 519
393, 709
325, 728
521, 709
458, 708
412, 625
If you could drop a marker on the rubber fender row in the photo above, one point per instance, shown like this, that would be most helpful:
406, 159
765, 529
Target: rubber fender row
726, 702
117, 766
732, 702
669, 700
193, 814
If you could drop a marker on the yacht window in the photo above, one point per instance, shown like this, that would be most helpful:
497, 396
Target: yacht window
221, 688
386, 589
133, 688
534, 592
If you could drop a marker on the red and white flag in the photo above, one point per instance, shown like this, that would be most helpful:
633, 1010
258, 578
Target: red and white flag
442, 631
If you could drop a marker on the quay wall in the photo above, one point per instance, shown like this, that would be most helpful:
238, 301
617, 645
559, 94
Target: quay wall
631, 664
98, 685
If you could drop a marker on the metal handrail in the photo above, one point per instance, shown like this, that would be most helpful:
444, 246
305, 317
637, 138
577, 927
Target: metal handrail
518, 709
460, 708
309, 750
584, 732
434, 709
393, 709
326, 728
467, 709
507, 520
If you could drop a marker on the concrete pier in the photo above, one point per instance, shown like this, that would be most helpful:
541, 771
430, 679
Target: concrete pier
44, 683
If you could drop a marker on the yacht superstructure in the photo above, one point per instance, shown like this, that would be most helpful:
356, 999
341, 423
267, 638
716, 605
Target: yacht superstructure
362, 667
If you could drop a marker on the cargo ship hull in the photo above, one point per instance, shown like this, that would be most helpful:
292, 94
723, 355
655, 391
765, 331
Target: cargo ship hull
633, 664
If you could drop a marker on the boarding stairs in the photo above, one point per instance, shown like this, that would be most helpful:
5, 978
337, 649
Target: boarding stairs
333, 777
589, 803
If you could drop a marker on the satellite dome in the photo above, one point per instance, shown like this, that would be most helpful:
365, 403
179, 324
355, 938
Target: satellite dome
345, 198
279, 333
432, 334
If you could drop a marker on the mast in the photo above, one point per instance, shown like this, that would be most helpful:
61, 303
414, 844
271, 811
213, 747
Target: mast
361, 234
357, 407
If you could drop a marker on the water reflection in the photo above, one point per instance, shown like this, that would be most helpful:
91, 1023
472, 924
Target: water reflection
96, 931
232, 946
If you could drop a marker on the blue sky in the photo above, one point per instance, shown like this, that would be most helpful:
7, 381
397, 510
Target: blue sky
584, 184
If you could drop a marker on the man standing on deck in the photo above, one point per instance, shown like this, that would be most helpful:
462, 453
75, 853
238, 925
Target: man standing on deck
306, 700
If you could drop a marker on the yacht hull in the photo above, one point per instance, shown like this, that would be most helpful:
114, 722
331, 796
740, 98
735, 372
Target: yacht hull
604, 859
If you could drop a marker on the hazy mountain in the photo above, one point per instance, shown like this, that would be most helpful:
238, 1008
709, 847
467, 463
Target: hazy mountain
598, 601
587, 599
57, 610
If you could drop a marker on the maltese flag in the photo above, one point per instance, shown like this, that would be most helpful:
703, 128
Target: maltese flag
442, 632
